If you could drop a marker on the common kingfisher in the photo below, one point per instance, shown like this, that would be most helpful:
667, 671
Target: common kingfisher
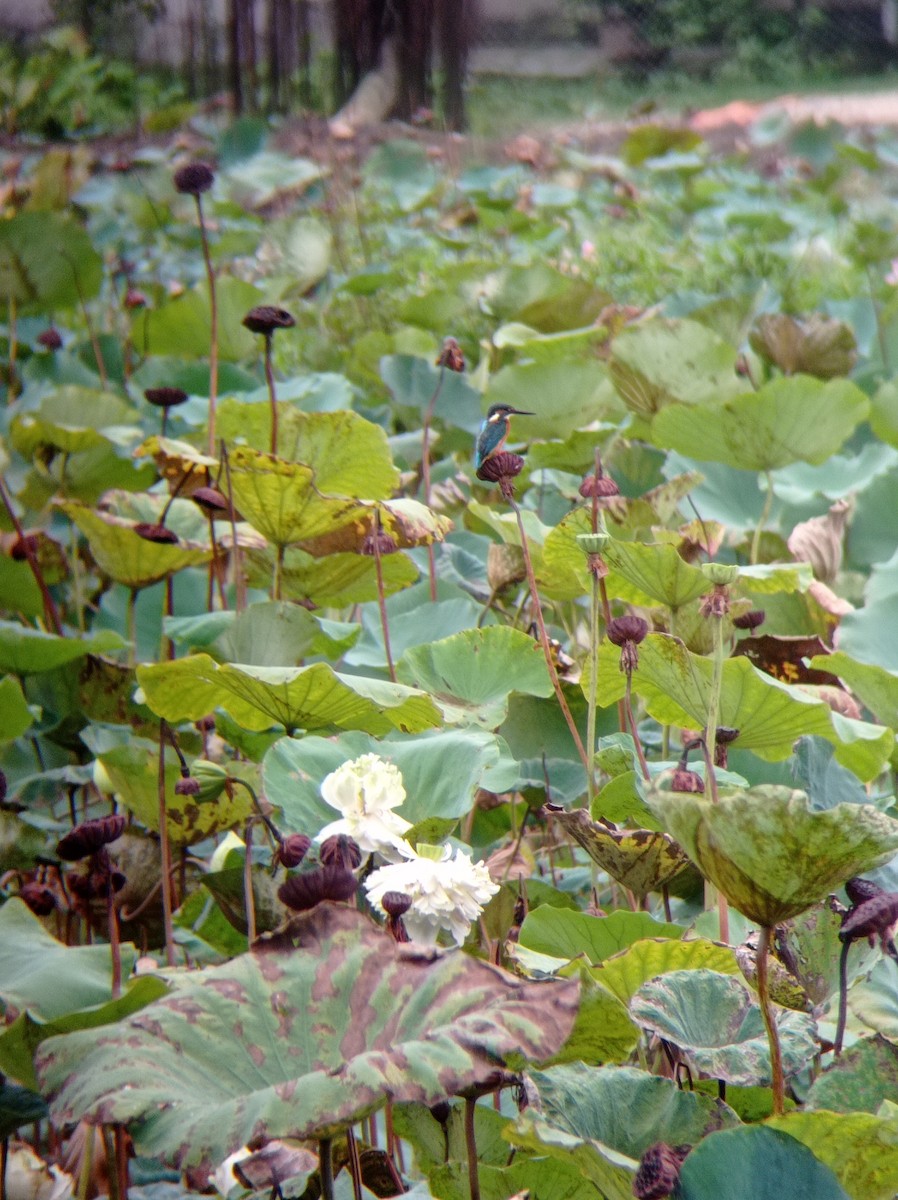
494, 431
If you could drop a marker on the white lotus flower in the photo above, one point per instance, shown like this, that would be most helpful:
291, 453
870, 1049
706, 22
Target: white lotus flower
366, 791
446, 892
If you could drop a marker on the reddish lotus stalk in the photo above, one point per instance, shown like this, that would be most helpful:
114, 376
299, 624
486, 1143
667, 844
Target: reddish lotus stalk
165, 850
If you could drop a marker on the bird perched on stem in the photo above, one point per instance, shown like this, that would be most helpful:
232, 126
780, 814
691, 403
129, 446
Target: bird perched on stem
494, 431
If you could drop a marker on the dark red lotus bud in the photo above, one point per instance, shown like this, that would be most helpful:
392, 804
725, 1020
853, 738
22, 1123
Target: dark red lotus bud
441, 1111
750, 620
451, 356
39, 898
858, 890
210, 500
293, 850
503, 465
627, 629
266, 319
686, 781
302, 892
396, 903
50, 339
340, 851
598, 487
165, 397
150, 531
21, 547
873, 918
187, 786
194, 179
378, 543
89, 837
134, 299
723, 736
659, 1171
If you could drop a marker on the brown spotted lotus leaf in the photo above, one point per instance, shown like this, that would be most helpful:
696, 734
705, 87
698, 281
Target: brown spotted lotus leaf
309, 1032
770, 854
640, 859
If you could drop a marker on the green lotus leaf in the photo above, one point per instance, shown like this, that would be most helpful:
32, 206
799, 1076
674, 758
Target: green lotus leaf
182, 327
603, 1031
416, 1124
714, 1021
565, 934
47, 261
72, 419
814, 949
133, 771
770, 715
626, 972
642, 860
302, 1037
542, 1178
124, 555
277, 634
348, 455
281, 500
334, 581
564, 396
20, 1040
859, 1148
471, 674
18, 589
767, 579
662, 362
756, 1163
15, 715
768, 852
176, 459
657, 571
815, 345
26, 651
605, 1118
413, 382
313, 697
19, 1106
874, 686
49, 979
863, 1077
794, 419
621, 800
228, 886
441, 772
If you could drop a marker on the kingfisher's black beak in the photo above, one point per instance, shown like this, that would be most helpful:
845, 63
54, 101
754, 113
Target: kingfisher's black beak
521, 412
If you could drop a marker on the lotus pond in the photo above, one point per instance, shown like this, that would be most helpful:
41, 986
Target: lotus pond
405, 827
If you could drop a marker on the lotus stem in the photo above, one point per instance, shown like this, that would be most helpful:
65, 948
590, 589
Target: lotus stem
213, 323
634, 733
165, 850
121, 1159
544, 641
277, 583
111, 1163
114, 941
236, 569
425, 473
355, 1166
94, 341
272, 398
382, 599
773, 1038
326, 1169
249, 898
592, 698
51, 614
762, 520
87, 1163
843, 998
471, 1145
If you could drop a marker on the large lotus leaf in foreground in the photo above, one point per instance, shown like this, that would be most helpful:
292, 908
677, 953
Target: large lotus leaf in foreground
770, 855
304, 1035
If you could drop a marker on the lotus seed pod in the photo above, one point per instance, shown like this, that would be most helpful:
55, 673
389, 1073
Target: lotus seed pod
593, 543
721, 574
